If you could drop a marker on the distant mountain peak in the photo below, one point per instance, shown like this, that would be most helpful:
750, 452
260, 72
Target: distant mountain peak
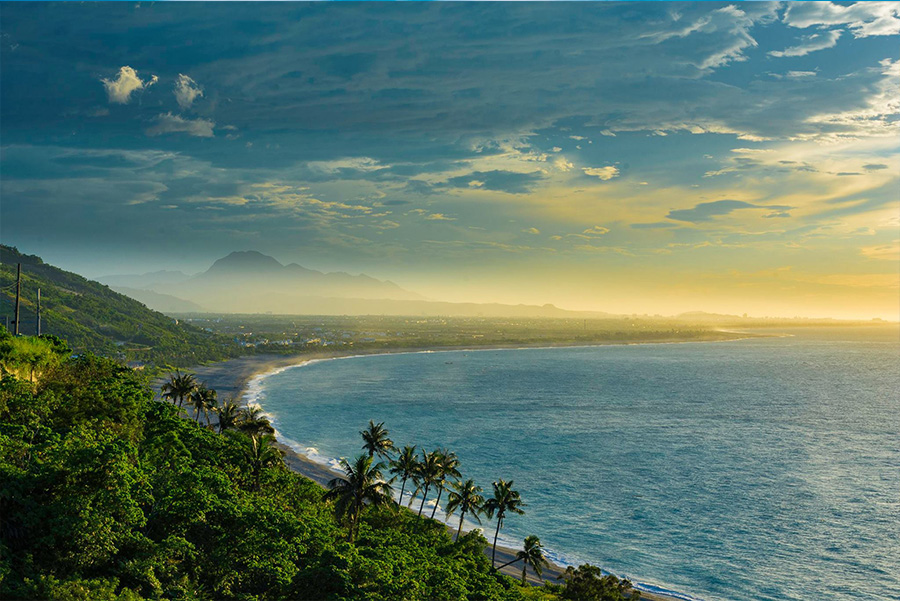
242, 260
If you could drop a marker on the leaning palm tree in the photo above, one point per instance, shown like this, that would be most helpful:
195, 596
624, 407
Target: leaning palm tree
376, 441
429, 471
363, 485
203, 399
179, 387
505, 500
405, 466
260, 454
228, 415
448, 467
466, 497
531, 555
253, 420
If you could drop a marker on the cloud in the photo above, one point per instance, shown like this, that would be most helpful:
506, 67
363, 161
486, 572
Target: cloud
168, 123
499, 180
887, 252
864, 19
604, 173
810, 43
348, 164
439, 217
563, 165
597, 230
874, 166
878, 114
531, 230
186, 91
653, 226
706, 211
120, 89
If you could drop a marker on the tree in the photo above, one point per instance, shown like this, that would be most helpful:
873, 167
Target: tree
505, 500
31, 354
466, 497
252, 420
405, 466
448, 467
261, 453
363, 485
376, 441
179, 387
588, 583
429, 469
229, 415
532, 555
203, 399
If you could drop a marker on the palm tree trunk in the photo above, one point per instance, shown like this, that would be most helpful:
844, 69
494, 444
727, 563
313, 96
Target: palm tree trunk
524, 568
402, 488
436, 503
196, 415
422, 506
459, 532
496, 534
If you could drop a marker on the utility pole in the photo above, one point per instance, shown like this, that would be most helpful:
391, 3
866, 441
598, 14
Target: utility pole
38, 326
18, 294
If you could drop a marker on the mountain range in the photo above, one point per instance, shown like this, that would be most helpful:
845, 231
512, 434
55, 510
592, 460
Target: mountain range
251, 282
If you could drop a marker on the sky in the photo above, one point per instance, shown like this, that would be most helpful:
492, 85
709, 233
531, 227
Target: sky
636, 157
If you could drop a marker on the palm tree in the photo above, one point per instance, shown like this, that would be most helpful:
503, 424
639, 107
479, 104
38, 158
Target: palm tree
179, 387
429, 469
203, 399
505, 500
252, 420
376, 440
405, 466
448, 465
229, 414
260, 454
466, 497
363, 485
531, 555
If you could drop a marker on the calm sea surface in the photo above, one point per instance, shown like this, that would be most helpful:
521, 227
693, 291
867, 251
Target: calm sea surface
755, 469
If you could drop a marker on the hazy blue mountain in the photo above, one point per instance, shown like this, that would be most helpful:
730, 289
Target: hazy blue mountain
164, 303
250, 281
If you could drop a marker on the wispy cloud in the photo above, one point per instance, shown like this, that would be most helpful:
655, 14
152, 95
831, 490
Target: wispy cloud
707, 211
864, 19
167, 123
810, 43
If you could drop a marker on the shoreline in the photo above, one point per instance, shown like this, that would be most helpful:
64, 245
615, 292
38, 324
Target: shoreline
234, 379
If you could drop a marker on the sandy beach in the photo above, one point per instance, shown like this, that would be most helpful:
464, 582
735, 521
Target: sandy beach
231, 379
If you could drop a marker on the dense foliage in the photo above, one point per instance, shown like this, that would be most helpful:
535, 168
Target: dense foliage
106, 493
109, 494
93, 318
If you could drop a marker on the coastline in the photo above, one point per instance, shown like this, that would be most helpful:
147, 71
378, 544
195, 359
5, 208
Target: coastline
236, 379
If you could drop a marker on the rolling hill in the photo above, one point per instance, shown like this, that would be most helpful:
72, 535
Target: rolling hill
92, 317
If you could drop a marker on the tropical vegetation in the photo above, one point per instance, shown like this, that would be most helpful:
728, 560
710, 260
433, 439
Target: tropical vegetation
107, 493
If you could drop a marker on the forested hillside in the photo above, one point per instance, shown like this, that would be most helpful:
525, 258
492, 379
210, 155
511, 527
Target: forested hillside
94, 318
109, 494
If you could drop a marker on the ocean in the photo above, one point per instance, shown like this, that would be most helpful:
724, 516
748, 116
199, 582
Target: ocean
764, 468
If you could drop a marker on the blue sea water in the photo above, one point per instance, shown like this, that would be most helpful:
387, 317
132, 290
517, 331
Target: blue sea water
757, 469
